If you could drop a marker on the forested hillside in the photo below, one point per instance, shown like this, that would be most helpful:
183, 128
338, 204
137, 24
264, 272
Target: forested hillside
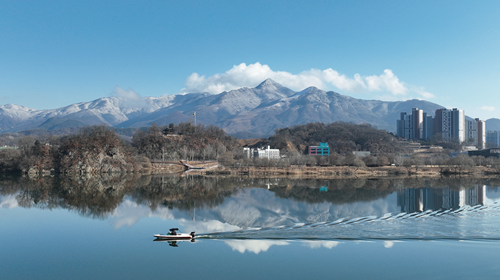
342, 137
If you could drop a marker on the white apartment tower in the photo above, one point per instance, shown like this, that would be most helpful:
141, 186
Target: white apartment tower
449, 125
457, 125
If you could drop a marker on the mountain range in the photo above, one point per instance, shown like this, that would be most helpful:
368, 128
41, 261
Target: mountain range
244, 112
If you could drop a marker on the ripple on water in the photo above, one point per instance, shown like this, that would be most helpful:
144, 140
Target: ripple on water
466, 223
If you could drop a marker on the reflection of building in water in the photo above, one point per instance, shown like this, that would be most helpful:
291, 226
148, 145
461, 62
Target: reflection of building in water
418, 200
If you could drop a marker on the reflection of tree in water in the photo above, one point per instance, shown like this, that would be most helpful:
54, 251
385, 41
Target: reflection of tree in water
34, 193
95, 196
9, 184
98, 196
185, 193
354, 190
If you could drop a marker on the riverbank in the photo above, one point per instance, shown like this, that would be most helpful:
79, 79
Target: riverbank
349, 171
212, 168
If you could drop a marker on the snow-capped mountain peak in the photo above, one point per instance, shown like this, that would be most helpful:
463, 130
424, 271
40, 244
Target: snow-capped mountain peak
258, 110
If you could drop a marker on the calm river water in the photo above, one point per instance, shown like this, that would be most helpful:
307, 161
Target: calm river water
102, 228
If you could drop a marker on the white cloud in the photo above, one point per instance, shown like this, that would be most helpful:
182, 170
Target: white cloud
129, 94
130, 98
422, 92
488, 108
251, 75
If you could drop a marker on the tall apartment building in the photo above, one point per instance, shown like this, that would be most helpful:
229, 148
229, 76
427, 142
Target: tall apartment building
403, 126
457, 125
481, 133
411, 126
493, 139
418, 123
475, 132
449, 125
428, 126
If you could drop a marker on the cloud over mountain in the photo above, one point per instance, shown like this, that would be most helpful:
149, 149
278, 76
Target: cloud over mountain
129, 98
244, 75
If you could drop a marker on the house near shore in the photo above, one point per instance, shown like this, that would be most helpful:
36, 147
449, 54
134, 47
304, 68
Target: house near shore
361, 154
262, 153
493, 152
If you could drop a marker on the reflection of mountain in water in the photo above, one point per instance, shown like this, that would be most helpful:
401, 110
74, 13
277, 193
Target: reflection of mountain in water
242, 202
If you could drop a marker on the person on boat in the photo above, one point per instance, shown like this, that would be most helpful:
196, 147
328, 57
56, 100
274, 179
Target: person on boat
173, 231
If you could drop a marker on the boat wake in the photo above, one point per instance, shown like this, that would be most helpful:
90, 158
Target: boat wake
466, 223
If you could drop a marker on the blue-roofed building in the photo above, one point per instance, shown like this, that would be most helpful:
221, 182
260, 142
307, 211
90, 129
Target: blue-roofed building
321, 150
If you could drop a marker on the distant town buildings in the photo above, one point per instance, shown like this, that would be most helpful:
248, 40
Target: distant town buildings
322, 150
262, 153
446, 125
493, 139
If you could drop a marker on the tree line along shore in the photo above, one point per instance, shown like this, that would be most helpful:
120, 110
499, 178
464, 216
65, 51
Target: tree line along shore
101, 149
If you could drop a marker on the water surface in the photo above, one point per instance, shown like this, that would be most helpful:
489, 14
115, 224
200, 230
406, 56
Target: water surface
102, 228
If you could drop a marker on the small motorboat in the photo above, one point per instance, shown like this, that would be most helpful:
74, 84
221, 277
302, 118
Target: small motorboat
173, 234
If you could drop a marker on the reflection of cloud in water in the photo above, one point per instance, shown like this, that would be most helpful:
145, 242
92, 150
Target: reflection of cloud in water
318, 244
128, 213
208, 226
389, 244
8, 201
254, 246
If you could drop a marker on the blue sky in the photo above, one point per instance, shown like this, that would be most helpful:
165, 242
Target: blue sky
55, 53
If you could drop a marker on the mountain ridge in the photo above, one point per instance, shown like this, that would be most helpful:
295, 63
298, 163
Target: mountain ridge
258, 111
